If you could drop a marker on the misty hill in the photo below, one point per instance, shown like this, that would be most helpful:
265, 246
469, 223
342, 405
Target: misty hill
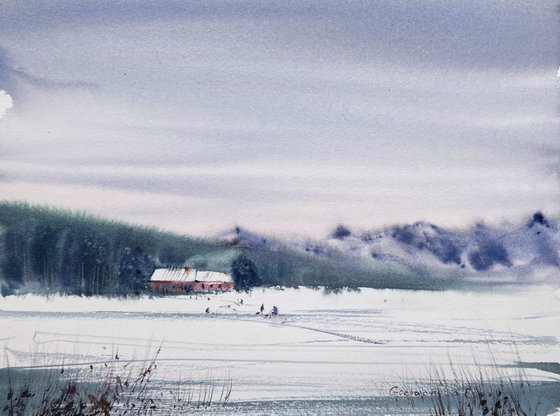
518, 252
52, 250
513, 249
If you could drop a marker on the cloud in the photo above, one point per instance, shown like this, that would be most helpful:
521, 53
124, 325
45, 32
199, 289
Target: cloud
17, 82
5, 102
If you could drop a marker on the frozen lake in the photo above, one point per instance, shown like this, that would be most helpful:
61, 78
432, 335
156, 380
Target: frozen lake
331, 350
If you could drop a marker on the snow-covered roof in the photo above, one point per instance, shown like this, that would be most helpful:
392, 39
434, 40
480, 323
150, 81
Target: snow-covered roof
190, 275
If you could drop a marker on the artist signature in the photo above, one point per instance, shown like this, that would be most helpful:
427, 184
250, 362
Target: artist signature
425, 392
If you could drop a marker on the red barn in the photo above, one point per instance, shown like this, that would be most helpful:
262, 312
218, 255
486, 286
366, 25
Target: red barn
184, 280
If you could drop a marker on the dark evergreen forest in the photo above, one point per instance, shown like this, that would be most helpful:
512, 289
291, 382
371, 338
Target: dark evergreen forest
62, 251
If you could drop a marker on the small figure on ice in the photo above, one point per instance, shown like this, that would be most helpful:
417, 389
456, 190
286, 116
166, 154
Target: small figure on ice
262, 308
274, 311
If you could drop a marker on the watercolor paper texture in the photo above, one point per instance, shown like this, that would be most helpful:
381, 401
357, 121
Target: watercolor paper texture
385, 173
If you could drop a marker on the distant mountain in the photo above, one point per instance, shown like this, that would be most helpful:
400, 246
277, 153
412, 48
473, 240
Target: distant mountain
519, 251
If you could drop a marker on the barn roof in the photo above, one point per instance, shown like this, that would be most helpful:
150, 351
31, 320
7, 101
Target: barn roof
190, 275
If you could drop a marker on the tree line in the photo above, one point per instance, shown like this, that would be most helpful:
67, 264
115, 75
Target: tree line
62, 251
46, 250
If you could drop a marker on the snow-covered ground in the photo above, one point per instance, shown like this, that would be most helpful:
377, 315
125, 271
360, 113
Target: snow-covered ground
353, 345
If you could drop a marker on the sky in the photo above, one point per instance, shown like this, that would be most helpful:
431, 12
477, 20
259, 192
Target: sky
284, 117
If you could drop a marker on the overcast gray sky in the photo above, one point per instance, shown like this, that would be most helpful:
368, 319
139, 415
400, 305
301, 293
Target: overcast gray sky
281, 116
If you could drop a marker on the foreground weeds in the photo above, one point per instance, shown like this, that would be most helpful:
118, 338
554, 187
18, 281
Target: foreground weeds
121, 388
485, 391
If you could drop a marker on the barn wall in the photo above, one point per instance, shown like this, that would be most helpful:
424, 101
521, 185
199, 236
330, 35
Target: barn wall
183, 287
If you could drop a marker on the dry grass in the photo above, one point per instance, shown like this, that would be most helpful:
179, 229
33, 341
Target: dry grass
121, 388
485, 391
